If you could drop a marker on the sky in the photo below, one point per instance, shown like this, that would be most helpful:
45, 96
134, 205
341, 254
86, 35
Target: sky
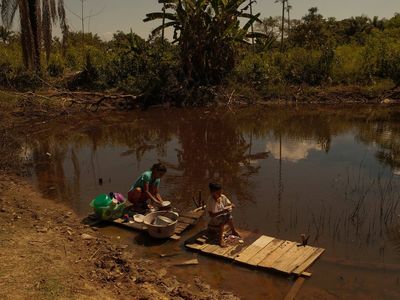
113, 15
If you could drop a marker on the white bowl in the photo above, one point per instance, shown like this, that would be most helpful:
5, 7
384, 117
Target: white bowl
166, 203
138, 218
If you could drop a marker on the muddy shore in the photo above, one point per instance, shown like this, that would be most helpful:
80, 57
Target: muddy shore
47, 252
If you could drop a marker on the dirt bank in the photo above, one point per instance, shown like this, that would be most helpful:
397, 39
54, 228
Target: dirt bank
47, 252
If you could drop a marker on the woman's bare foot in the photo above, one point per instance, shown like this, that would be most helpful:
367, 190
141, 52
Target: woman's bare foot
223, 244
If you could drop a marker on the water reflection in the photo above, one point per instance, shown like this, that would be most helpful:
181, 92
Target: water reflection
322, 172
292, 150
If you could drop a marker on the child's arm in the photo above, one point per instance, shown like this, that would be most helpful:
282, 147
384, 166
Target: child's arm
212, 214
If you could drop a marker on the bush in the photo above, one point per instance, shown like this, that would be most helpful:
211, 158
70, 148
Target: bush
56, 66
382, 58
258, 69
73, 58
300, 65
347, 67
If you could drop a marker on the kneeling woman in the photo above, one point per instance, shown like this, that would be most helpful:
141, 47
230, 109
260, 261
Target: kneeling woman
144, 193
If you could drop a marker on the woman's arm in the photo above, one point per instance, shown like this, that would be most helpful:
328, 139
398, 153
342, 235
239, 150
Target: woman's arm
150, 195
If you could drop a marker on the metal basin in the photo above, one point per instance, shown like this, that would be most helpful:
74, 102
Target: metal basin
161, 231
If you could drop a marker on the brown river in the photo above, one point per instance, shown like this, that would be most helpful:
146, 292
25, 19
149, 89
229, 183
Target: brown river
330, 172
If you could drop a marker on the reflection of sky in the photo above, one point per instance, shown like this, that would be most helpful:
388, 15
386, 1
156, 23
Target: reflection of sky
292, 150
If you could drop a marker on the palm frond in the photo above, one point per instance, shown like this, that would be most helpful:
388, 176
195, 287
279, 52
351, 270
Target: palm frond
8, 11
159, 15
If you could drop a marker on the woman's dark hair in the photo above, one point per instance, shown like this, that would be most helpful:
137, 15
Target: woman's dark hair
214, 187
159, 168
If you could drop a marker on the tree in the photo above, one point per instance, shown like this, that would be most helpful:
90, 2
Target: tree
36, 21
311, 33
206, 32
283, 20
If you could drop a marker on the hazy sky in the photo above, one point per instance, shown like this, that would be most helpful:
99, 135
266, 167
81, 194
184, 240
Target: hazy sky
125, 14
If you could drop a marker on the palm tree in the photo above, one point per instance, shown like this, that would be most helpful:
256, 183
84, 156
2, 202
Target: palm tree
206, 31
288, 9
283, 19
36, 21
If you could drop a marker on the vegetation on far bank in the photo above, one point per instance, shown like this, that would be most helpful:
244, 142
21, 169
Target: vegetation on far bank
214, 56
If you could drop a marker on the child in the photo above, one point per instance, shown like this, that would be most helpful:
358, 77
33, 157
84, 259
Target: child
220, 210
146, 189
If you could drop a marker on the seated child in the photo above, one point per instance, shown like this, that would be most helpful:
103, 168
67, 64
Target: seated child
220, 210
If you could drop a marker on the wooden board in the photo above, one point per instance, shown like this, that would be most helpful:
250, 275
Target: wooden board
189, 221
293, 258
261, 251
258, 257
185, 221
192, 214
295, 289
309, 261
269, 260
210, 248
131, 224
254, 248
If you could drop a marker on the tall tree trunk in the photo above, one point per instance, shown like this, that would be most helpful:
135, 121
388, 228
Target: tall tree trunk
34, 17
26, 35
283, 23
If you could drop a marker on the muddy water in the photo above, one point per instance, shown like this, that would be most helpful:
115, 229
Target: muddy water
332, 173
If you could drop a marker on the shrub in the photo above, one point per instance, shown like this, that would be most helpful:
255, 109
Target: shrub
300, 65
56, 66
347, 67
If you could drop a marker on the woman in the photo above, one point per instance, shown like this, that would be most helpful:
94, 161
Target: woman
144, 193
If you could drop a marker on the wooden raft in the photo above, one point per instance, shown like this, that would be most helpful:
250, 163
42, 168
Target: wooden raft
185, 221
261, 251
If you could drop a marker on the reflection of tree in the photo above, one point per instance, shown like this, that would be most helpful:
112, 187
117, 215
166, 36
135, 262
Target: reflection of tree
48, 159
387, 136
214, 148
51, 150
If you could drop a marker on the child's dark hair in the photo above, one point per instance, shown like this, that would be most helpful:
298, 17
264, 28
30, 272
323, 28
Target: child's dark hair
214, 187
159, 168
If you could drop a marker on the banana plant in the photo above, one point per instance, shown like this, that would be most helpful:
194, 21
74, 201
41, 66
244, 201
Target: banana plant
207, 32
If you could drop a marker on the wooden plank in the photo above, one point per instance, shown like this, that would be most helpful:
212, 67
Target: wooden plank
190, 262
259, 256
295, 289
175, 237
306, 274
297, 261
221, 251
189, 221
134, 225
180, 227
254, 248
269, 260
192, 214
201, 240
308, 262
286, 262
196, 246
210, 248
